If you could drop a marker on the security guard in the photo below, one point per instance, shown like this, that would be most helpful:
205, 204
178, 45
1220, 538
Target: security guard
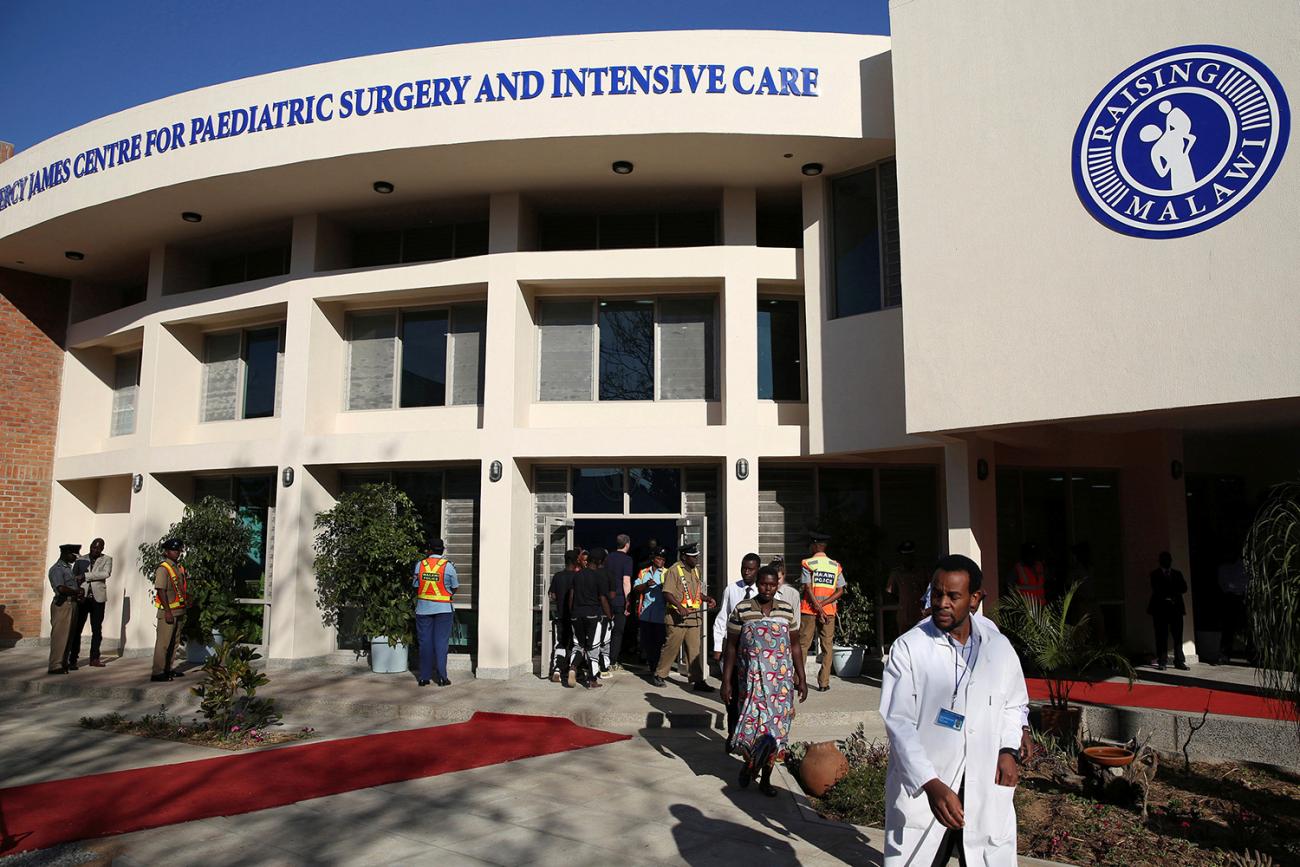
823, 584
686, 603
63, 606
435, 582
171, 598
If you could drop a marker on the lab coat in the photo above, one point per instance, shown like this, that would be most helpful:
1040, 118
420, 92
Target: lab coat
917, 683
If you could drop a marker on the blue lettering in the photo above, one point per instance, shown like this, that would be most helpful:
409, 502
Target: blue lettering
422, 88
459, 83
320, 107
531, 84
717, 84
485, 93
810, 74
736, 84
661, 79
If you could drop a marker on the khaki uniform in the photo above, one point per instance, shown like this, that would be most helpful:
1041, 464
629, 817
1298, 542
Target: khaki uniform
820, 572
61, 615
168, 635
684, 584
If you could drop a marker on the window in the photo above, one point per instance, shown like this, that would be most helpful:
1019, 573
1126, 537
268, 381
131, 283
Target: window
864, 236
598, 490
255, 265
624, 231
780, 374
126, 391
241, 374
654, 490
406, 358
647, 348
420, 244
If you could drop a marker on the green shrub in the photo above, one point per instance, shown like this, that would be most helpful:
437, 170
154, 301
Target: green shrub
228, 694
859, 796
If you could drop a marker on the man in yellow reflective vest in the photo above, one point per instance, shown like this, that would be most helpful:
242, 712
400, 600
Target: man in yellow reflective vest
823, 584
685, 602
171, 598
434, 579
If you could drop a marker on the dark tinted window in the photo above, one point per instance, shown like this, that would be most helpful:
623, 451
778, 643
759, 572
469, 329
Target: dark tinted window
370, 249
428, 244
856, 234
688, 229
472, 239
779, 374
271, 262
624, 231
260, 350
780, 225
424, 358
654, 490
598, 490
567, 231
627, 350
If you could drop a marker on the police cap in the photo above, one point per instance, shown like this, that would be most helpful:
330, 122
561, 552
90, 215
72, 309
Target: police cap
690, 548
436, 545
907, 547
658, 552
819, 537
173, 544
69, 549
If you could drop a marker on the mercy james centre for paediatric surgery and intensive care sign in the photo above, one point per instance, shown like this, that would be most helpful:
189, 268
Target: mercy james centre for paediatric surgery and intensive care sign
356, 103
1180, 141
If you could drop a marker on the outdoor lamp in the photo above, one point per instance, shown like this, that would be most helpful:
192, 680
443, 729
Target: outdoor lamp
494, 471
622, 167
286, 477
812, 170
742, 469
137, 482
191, 216
383, 187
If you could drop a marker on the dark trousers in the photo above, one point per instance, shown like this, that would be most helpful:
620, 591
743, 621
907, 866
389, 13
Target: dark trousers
434, 632
1165, 626
87, 608
1234, 623
616, 636
589, 633
733, 706
561, 646
951, 844
652, 641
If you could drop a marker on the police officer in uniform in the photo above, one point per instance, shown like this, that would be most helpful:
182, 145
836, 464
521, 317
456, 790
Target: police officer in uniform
63, 606
686, 603
823, 584
435, 582
171, 585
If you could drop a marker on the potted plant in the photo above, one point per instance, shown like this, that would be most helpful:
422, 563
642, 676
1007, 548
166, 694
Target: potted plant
216, 546
853, 632
1064, 653
365, 547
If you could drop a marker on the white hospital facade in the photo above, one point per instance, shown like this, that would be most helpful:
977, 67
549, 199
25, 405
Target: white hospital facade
719, 284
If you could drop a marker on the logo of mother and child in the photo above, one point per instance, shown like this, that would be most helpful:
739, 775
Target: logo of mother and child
1180, 141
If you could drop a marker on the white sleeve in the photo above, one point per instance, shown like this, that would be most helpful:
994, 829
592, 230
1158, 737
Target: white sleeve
1015, 713
899, 707
720, 622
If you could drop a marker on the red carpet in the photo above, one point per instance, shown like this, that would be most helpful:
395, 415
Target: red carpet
44, 814
1192, 699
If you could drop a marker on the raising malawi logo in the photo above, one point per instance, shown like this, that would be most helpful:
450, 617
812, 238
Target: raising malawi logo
1180, 141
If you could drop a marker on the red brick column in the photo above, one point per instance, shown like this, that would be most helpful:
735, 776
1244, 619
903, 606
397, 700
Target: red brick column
33, 322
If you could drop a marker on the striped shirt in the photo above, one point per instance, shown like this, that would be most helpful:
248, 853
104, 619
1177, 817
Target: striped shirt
749, 610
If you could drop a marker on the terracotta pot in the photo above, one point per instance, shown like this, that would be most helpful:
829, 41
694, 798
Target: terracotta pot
1061, 722
1109, 757
822, 767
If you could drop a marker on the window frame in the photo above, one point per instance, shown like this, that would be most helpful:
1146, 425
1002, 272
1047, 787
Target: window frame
138, 356
803, 345
594, 324
449, 355
832, 281
241, 380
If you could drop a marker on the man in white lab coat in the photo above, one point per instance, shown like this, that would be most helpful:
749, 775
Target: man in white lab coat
951, 699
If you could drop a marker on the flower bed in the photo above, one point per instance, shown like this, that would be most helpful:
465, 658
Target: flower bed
171, 727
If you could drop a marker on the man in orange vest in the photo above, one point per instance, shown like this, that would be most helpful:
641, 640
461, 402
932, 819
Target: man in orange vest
1030, 574
434, 579
171, 598
823, 585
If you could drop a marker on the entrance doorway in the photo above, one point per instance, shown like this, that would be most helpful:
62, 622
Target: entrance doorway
589, 533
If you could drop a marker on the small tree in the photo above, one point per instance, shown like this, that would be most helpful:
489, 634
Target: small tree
1064, 653
228, 693
217, 542
1272, 560
365, 548
853, 619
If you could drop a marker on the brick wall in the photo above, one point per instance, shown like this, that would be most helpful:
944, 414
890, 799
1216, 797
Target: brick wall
33, 318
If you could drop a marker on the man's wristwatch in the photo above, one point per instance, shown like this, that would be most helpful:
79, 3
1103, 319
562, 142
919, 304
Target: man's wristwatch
1014, 752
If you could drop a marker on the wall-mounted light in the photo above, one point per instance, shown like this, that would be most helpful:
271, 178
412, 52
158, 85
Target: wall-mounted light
812, 170
622, 167
742, 469
137, 482
191, 216
286, 477
75, 255
494, 471
383, 187
981, 469
1176, 469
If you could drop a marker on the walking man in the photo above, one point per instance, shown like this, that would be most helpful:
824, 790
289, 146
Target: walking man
435, 582
823, 584
619, 566
1167, 608
686, 603
561, 621
589, 607
954, 735
92, 574
62, 607
171, 585
648, 597
736, 592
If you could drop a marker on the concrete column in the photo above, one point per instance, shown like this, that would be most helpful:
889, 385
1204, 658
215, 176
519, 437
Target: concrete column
814, 281
505, 222
159, 504
739, 217
740, 508
970, 507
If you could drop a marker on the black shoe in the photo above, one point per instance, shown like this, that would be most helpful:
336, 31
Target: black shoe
658, 681
71, 666
767, 789
1160, 666
160, 678
422, 683
444, 682
745, 776
702, 687
57, 671
1181, 666
175, 674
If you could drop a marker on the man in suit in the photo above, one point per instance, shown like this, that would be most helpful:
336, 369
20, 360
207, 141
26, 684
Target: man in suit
1167, 609
92, 574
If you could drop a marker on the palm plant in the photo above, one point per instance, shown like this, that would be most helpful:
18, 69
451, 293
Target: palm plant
1272, 560
1063, 652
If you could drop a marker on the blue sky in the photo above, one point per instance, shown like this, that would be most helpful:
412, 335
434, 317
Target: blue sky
71, 61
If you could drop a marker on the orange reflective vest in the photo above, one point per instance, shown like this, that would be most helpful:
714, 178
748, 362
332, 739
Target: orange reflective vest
432, 587
180, 585
826, 575
1030, 581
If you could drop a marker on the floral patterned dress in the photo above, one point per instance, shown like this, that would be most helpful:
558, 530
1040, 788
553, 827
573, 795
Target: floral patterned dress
767, 689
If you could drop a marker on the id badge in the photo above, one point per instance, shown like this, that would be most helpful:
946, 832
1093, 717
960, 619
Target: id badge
950, 719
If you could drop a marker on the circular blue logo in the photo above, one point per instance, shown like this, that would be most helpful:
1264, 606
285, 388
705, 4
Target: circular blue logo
1180, 141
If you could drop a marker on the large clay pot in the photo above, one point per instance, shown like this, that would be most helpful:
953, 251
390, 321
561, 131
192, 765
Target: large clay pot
822, 767
1063, 723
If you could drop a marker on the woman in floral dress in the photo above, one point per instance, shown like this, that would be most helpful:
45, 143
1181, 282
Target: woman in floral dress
770, 676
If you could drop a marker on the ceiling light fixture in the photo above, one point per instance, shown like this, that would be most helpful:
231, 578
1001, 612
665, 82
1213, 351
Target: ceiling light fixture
383, 187
191, 216
812, 170
622, 167
75, 255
